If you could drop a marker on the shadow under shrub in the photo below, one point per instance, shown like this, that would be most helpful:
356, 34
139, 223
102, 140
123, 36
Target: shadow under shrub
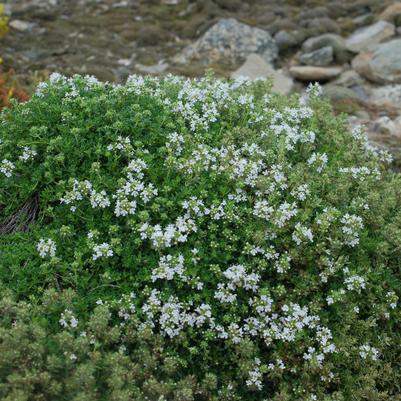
195, 240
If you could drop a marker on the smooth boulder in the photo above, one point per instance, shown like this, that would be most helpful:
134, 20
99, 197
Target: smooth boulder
382, 64
256, 67
310, 73
365, 38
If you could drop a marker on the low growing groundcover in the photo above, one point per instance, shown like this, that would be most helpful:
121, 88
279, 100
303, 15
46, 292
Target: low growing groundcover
173, 239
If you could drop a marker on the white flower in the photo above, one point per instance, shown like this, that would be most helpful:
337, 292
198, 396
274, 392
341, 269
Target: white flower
355, 283
352, 224
27, 154
7, 168
67, 319
99, 199
318, 159
366, 351
103, 250
46, 247
169, 267
302, 234
262, 209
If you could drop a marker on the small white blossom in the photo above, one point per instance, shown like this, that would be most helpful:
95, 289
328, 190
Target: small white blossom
46, 247
102, 251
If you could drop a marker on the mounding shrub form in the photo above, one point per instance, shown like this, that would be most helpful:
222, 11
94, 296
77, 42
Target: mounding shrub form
194, 240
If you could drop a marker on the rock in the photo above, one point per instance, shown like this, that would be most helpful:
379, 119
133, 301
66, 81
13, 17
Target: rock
364, 19
171, 2
339, 93
152, 69
360, 64
280, 24
321, 25
386, 126
390, 94
382, 64
320, 57
317, 12
365, 38
22, 26
309, 73
286, 40
340, 52
349, 78
230, 41
391, 12
344, 100
256, 67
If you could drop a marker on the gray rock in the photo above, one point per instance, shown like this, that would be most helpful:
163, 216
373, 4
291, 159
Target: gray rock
364, 19
256, 67
338, 93
390, 94
382, 64
349, 78
391, 13
230, 41
386, 126
365, 38
317, 12
280, 24
152, 69
22, 26
309, 73
320, 57
321, 25
341, 54
287, 40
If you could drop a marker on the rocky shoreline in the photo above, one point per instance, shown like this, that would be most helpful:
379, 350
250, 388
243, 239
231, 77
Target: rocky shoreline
353, 49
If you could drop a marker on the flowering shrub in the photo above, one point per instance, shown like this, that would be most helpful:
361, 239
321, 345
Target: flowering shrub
196, 240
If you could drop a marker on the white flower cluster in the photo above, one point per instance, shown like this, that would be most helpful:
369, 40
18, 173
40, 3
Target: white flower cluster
46, 248
173, 316
133, 189
122, 145
360, 135
175, 143
355, 283
361, 173
169, 267
255, 376
285, 212
368, 352
302, 234
352, 225
263, 210
392, 299
237, 277
301, 192
27, 154
85, 188
319, 160
7, 168
171, 235
102, 251
67, 319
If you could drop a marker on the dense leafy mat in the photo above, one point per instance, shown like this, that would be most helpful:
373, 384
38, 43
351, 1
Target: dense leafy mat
194, 240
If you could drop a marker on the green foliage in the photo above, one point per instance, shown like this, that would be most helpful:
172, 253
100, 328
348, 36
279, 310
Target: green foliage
194, 240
